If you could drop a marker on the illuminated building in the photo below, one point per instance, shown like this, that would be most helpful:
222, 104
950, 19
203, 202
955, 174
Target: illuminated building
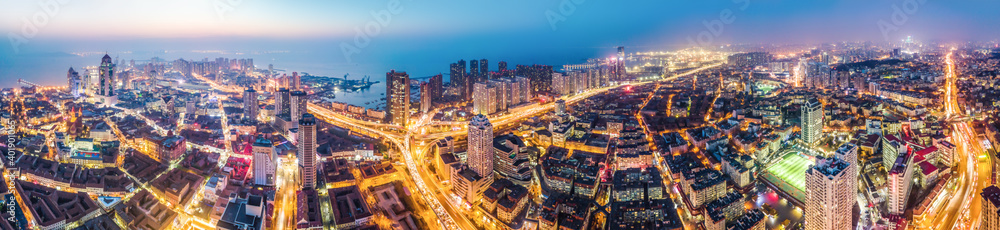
481, 146
162, 149
426, 96
899, 178
436, 84
460, 80
244, 214
540, 77
397, 94
812, 121
620, 64
296, 81
282, 102
990, 214
473, 71
73, 82
263, 161
106, 83
484, 70
307, 150
829, 198
250, 106
297, 103
484, 100
511, 159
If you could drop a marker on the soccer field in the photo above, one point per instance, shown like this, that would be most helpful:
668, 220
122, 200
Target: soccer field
792, 170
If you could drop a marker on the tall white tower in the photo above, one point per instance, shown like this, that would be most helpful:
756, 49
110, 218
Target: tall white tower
481, 146
812, 121
830, 198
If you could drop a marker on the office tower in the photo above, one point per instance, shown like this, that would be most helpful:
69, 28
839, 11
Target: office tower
990, 202
106, 83
397, 94
484, 100
484, 70
899, 177
460, 80
282, 102
540, 77
829, 198
481, 146
296, 81
250, 106
620, 64
297, 104
73, 83
270, 70
437, 87
425, 97
812, 121
307, 150
263, 161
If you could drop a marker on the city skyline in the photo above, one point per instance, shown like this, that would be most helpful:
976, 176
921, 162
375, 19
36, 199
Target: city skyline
518, 115
414, 39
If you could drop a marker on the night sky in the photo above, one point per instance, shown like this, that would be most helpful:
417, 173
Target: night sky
522, 31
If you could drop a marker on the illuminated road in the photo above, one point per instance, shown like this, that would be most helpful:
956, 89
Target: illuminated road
960, 207
286, 202
447, 217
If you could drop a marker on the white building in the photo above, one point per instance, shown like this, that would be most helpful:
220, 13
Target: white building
899, 177
481, 146
263, 162
829, 198
812, 121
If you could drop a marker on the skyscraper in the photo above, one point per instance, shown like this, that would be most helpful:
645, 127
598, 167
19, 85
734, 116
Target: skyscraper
484, 70
73, 82
282, 103
250, 106
481, 146
812, 121
899, 177
437, 86
397, 94
107, 80
990, 202
263, 161
425, 97
473, 71
459, 80
307, 150
829, 198
620, 64
296, 81
297, 103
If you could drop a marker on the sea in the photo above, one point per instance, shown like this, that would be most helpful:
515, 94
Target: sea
50, 68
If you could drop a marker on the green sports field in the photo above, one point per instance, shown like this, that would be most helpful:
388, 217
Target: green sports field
791, 169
